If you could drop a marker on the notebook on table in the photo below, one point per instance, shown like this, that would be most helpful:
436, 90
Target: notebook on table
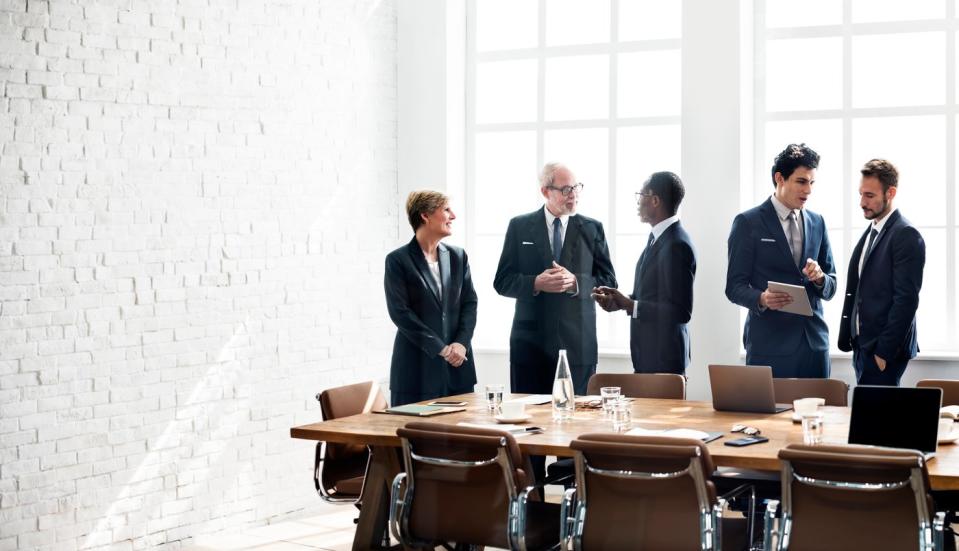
417, 410
746, 388
896, 417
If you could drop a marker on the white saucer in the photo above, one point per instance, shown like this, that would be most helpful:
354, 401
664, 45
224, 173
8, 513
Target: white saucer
520, 419
951, 438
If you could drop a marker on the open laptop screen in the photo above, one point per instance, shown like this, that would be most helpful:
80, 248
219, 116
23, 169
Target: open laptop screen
895, 417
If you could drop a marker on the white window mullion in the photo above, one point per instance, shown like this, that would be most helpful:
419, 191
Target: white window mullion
952, 280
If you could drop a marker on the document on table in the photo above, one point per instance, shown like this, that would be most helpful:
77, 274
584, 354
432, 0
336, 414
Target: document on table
676, 433
535, 399
800, 304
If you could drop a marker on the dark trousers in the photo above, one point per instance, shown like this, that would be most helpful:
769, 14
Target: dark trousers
803, 363
399, 398
867, 372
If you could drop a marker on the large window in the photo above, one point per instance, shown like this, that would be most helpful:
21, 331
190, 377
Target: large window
594, 84
858, 79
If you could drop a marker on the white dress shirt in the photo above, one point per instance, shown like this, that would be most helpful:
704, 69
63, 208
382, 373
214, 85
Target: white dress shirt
782, 211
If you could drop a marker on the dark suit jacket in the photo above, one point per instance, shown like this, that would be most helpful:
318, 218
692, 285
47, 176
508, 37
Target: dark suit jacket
426, 322
546, 322
759, 253
887, 292
658, 337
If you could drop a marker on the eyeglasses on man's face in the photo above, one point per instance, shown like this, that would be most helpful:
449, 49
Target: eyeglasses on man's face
748, 431
643, 193
566, 190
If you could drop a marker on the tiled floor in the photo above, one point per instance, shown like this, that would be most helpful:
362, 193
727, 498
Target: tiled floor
330, 530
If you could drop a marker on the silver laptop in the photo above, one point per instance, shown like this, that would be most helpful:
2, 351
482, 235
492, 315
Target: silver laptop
896, 417
746, 388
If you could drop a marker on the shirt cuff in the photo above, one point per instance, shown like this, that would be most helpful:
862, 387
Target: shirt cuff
635, 313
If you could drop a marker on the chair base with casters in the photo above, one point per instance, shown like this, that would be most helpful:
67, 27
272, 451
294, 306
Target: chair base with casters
463, 485
849, 497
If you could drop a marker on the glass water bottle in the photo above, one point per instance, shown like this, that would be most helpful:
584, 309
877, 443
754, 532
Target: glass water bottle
564, 402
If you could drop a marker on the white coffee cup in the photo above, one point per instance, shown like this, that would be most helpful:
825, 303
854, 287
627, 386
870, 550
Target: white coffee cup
947, 428
513, 409
805, 406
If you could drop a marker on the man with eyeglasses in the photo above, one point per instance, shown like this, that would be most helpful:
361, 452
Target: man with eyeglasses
551, 259
781, 241
662, 300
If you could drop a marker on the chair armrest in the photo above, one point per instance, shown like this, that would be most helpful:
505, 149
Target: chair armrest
397, 505
517, 515
772, 506
938, 524
567, 519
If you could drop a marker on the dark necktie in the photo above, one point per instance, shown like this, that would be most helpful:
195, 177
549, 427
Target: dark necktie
649, 243
873, 234
557, 239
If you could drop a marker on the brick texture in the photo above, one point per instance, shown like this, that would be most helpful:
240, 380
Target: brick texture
196, 197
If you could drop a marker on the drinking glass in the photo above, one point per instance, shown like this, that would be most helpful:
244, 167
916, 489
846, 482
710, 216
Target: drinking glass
609, 394
622, 415
494, 397
812, 428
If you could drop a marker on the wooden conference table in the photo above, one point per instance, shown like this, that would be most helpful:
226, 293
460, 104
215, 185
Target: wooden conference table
379, 432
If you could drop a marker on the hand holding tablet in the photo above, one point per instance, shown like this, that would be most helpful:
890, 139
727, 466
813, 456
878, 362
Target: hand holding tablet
800, 300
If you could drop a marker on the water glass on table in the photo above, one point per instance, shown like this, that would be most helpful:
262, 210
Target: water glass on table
494, 397
622, 415
609, 394
812, 428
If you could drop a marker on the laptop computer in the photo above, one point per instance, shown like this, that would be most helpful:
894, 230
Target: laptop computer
896, 417
746, 388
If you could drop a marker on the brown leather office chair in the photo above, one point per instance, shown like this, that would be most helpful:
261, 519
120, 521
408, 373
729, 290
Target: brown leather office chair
339, 470
950, 389
641, 385
467, 485
645, 492
841, 497
834, 391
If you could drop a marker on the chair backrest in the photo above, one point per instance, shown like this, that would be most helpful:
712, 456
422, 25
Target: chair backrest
853, 497
460, 483
340, 468
834, 391
642, 492
950, 389
641, 385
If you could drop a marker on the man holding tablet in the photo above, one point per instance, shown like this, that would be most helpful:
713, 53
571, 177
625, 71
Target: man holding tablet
780, 241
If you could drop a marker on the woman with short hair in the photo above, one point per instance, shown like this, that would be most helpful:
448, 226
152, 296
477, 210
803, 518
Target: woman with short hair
430, 298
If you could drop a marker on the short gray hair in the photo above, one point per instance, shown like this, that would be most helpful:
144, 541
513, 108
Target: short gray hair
548, 173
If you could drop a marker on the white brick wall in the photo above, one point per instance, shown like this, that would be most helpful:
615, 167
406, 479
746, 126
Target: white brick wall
197, 196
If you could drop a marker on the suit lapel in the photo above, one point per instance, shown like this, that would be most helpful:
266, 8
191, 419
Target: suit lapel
886, 228
775, 227
419, 261
537, 231
807, 239
444, 258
